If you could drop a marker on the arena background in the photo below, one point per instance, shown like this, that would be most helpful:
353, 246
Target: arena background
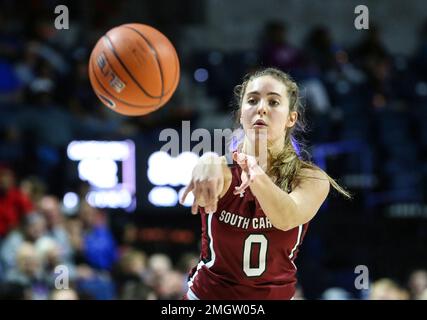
365, 93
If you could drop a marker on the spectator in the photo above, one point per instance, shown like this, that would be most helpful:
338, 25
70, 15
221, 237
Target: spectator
320, 50
130, 276
417, 283
50, 208
74, 228
336, 294
171, 286
29, 272
99, 247
14, 204
34, 188
276, 51
370, 49
387, 289
158, 265
33, 230
92, 284
51, 254
64, 294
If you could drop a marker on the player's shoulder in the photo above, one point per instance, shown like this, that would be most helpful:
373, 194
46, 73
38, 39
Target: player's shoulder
315, 177
313, 173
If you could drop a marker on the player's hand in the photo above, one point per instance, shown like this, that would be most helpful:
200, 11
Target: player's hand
250, 169
206, 183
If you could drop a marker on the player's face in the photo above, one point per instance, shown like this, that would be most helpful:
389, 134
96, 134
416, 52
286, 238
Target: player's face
265, 109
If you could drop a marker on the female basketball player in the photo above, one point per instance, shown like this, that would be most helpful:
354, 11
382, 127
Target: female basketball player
255, 213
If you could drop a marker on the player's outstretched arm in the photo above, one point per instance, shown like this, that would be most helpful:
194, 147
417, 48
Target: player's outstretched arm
284, 210
210, 180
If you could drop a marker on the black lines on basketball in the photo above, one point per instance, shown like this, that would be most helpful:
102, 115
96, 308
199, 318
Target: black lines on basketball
113, 50
110, 96
153, 49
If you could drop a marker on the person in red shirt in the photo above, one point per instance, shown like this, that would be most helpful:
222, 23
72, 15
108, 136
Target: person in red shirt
13, 202
256, 203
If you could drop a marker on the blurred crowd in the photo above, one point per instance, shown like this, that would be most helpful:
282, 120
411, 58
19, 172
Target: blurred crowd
48, 254
415, 288
362, 93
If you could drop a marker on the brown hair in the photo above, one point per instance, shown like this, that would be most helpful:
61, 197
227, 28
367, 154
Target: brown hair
287, 164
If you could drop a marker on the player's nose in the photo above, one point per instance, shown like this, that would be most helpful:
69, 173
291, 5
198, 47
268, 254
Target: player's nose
262, 107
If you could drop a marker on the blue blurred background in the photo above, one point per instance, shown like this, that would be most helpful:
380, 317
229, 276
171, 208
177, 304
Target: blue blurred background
365, 98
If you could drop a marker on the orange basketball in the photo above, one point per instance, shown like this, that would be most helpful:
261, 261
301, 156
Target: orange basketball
134, 69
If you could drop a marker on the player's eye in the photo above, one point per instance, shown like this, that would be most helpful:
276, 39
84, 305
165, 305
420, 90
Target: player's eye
252, 101
273, 103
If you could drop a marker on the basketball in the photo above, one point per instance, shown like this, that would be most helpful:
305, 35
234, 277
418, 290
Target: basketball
134, 69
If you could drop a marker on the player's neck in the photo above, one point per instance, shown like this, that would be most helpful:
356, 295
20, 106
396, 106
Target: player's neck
275, 147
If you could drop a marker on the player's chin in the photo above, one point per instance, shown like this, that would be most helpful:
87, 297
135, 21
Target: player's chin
264, 135
259, 132
260, 128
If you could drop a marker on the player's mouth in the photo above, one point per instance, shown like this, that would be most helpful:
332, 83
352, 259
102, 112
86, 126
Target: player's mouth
260, 124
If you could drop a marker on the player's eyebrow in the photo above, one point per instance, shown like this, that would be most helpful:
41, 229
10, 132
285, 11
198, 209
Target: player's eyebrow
270, 93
